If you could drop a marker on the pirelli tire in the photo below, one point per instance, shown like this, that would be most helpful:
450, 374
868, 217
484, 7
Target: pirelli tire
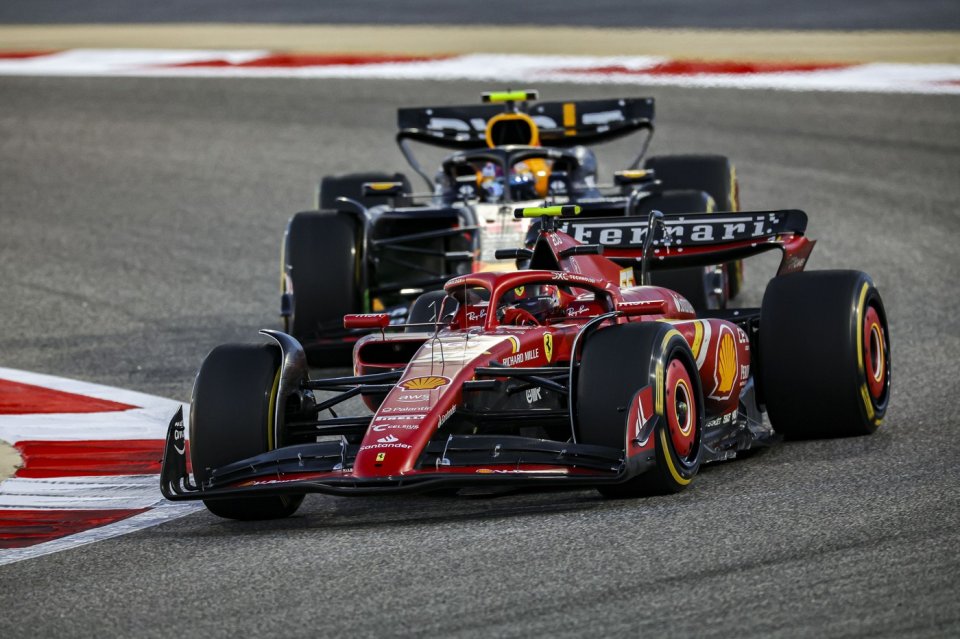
232, 418
825, 363
350, 185
321, 273
617, 363
717, 176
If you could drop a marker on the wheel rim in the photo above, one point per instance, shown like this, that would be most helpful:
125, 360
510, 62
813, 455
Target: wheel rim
681, 409
875, 354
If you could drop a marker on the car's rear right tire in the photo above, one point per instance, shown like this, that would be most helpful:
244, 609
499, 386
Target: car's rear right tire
231, 418
825, 366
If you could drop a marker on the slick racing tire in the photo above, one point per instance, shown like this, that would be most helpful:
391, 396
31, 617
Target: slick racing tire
231, 418
617, 363
714, 174
824, 354
696, 283
351, 185
321, 263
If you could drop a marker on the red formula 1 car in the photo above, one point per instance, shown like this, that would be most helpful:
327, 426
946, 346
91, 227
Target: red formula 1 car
563, 374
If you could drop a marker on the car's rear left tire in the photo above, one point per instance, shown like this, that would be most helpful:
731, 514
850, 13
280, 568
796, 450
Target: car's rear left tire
825, 366
322, 278
619, 361
231, 418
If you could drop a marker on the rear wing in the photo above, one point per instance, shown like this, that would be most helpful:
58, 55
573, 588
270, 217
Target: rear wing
699, 239
561, 124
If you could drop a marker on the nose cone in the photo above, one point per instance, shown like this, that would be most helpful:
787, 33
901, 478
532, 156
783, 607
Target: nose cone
402, 426
428, 392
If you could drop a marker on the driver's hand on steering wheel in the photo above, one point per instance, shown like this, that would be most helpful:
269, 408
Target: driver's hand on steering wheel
513, 316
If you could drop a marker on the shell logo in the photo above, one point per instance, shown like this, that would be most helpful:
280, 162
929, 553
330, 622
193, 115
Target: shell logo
726, 371
424, 383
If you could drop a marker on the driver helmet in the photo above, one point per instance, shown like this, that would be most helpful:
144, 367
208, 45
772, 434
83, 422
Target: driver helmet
490, 178
530, 179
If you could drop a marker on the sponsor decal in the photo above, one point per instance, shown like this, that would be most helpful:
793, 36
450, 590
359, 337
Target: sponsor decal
381, 457
577, 311
402, 409
388, 439
742, 338
533, 395
693, 229
519, 358
399, 418
571, 277
379, 428
627, 278
446, 416
484, 471
178, 439
430, 382
384, 445
726, 371
476, 317
413, 397
519, 291
548, 346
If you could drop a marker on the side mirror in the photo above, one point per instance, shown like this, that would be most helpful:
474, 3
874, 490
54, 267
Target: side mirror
633, 176
383, 189
367, 320
633, 309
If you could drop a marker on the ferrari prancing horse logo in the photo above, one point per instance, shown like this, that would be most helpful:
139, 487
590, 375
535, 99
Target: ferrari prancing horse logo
548, 346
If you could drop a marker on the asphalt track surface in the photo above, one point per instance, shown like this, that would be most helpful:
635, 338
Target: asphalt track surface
140, 222
714, 14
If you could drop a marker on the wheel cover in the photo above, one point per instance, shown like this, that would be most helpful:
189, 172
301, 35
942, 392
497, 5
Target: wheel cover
681, 408
875, 355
